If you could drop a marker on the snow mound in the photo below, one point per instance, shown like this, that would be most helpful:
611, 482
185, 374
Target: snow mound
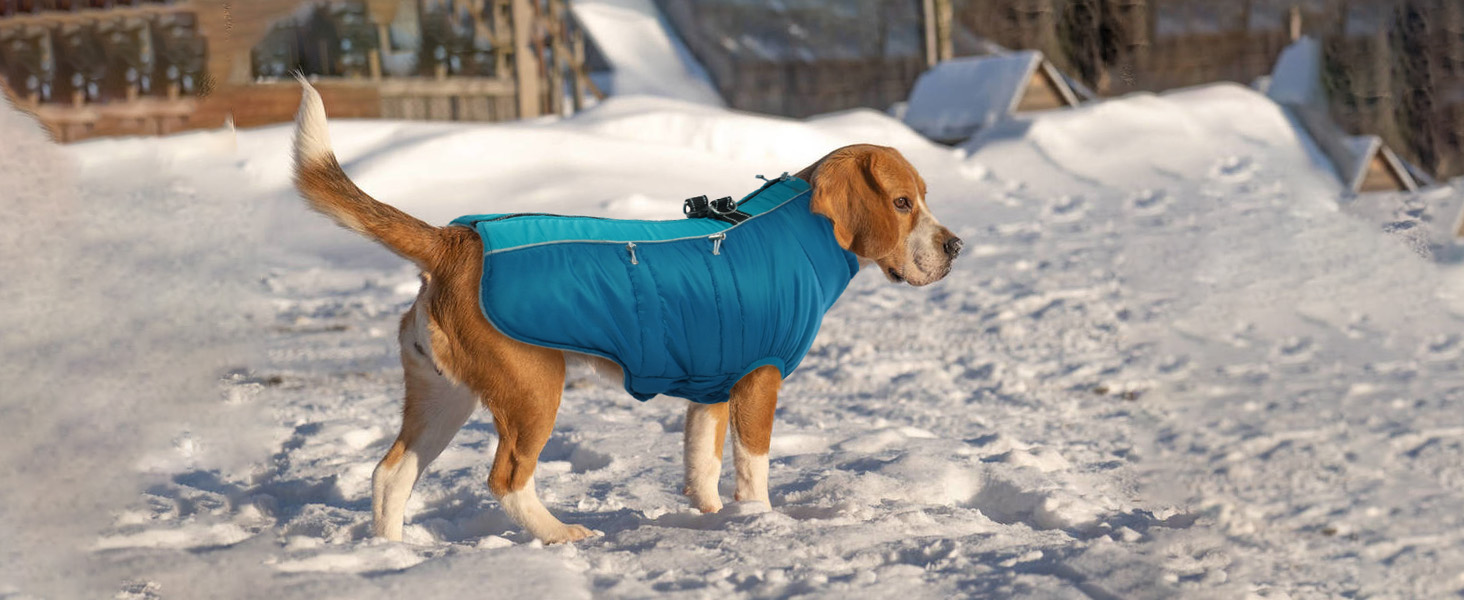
1220, 132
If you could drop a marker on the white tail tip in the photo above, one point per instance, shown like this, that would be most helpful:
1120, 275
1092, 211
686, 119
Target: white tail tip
312, 137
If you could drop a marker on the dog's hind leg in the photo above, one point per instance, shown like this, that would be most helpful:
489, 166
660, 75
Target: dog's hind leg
524, 403
754, 399
435, 410
706, 433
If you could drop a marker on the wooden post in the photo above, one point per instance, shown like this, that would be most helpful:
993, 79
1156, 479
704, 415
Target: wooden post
383, 47
932, 50
937, 17
502, 37
576, 87
525, 64
557, 27
327, 66
944, 14
581, 75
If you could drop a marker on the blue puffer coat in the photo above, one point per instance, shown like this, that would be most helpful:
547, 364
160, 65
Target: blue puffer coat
685, 307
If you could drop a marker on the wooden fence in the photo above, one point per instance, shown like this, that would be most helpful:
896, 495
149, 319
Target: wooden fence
539, 51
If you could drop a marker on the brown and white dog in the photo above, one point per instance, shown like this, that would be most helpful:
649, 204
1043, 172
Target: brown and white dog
454, 359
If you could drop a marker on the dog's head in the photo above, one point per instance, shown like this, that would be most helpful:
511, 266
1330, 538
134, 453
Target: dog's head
876, 201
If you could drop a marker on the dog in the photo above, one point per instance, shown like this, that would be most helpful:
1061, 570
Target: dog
869, 201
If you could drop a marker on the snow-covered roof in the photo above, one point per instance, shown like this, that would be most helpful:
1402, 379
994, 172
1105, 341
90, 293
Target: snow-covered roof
1351, 156
1296, 83
646, 57
960, 96
1297, 76
1363, 147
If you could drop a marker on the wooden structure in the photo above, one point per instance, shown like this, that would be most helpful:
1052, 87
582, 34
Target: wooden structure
1385, 170
1363, 163
802, 59
120, 67
138, 70
1120, 46
958, 97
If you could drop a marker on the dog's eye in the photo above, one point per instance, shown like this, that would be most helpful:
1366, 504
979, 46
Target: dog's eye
903, 204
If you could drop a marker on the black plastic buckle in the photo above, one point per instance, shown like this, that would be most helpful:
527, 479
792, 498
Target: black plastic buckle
697, 208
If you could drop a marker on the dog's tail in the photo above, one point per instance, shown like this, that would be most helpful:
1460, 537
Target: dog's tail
326, 187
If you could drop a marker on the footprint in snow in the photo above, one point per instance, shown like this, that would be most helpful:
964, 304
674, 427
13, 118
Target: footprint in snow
1294, 350
1067, 209
1150, 202
581, 457
1233, 168
1175, 367
973, 170
1443, 347
139, 590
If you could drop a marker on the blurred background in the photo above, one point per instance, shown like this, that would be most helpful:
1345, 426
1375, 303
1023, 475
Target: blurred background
1389, 68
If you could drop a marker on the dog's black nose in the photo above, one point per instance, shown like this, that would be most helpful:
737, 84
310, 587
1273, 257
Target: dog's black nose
953, 247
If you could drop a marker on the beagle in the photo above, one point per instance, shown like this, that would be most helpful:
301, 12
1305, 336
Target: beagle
868, 199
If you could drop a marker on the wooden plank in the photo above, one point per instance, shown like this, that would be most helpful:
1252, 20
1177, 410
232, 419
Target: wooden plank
450, 86
525, 62
1041, 94
66, 17
559, 52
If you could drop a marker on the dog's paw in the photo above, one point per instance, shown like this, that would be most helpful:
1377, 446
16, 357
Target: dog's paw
705, 503
567, 533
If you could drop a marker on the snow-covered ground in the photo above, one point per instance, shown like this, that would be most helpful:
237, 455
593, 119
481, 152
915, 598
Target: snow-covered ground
1167, 366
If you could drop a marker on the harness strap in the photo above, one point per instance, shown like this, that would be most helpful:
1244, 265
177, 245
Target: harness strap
722, 209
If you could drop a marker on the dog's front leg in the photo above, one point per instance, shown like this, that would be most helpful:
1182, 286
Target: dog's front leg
754, 399
705, 434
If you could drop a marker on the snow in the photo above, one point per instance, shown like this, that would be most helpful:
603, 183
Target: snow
1169, 365
1297, 77
1363, 148
962, 95
645, 55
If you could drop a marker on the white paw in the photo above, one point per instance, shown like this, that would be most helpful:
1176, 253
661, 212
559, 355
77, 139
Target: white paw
707, 503
567, 533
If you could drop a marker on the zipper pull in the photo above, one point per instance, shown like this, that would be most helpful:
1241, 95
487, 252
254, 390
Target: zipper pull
717, 241
630, 247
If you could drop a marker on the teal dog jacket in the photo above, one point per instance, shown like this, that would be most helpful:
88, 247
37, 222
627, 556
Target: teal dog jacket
685, 307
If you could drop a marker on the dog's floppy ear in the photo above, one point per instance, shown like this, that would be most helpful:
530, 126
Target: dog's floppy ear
847, 190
